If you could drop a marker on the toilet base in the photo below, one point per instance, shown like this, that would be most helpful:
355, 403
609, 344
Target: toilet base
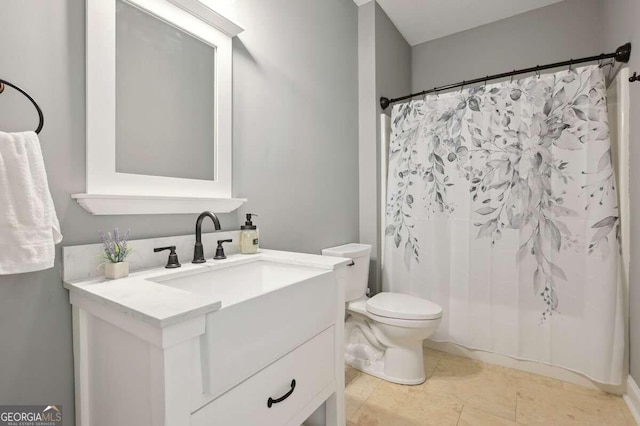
375, 371
367, 350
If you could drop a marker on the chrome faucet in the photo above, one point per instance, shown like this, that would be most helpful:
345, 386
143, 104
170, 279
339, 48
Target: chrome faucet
198, 251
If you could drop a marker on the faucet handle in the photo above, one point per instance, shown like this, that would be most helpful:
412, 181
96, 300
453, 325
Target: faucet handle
220, 250
172, 262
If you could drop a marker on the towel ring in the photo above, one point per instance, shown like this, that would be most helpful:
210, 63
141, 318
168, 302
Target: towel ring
35, 104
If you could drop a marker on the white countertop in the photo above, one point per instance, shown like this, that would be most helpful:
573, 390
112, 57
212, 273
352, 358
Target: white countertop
161, 305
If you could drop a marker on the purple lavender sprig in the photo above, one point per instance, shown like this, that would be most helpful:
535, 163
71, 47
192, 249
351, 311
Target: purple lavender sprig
116, 246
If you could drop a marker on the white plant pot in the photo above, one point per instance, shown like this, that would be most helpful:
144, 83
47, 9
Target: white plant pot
113, 271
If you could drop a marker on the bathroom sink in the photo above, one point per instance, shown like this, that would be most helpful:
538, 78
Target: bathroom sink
237, 283
268, 308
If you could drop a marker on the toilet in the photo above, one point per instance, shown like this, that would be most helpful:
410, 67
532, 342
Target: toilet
384, 333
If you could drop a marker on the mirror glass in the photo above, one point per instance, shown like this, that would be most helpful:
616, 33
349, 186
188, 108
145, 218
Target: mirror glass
165, 81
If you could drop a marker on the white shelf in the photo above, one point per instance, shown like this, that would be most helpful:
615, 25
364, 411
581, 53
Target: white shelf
108, 204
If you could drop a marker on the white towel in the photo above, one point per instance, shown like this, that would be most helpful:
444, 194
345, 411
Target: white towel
29, 227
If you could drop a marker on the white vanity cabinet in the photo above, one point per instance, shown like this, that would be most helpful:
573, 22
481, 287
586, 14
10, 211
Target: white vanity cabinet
251, 340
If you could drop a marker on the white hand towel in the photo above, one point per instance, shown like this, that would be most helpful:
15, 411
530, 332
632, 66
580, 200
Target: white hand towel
29, 227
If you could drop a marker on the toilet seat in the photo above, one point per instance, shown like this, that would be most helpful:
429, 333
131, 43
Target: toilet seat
361, 307
403, 306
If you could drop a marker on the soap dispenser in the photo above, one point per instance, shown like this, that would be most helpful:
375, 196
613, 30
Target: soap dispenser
249, 236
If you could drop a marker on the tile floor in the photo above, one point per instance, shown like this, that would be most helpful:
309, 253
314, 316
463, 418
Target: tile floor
460, 391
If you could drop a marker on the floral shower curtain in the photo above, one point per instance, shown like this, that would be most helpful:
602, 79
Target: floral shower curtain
501, 208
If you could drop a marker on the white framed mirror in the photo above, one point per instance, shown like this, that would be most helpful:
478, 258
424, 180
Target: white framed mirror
165, 98
158, 100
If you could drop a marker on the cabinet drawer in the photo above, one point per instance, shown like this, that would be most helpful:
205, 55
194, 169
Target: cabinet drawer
310, 365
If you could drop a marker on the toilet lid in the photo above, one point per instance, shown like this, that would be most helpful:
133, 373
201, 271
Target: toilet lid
403, 306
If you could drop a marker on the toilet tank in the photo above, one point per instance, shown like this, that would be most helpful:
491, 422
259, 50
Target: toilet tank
357, 276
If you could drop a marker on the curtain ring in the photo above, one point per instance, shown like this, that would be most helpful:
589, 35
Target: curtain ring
601, 61
570, 64
462, 87
435, 89
606, 64
538, 70
485, 81
512, 74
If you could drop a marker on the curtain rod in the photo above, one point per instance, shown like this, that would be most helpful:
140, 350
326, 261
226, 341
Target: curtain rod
622, 54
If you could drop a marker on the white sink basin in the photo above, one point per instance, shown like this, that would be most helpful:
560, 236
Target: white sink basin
268, 308
237, 283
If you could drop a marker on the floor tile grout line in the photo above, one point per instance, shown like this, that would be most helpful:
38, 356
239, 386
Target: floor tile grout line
435, 367
492, 413
460, 415
515, 419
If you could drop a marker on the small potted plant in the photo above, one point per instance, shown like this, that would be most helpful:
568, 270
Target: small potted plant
116, 250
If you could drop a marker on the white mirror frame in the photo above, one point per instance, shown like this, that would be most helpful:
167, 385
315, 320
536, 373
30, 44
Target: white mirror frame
102, 177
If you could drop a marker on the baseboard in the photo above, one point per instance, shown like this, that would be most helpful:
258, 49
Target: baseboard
632, 399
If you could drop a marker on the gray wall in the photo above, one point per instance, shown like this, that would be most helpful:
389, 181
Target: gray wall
367, 144
620, 24
296, 121
393, 78
393, 60
295, 156
564, 30
385, 70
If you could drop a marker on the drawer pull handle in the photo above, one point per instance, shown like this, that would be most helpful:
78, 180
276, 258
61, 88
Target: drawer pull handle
351, 264
272, 401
